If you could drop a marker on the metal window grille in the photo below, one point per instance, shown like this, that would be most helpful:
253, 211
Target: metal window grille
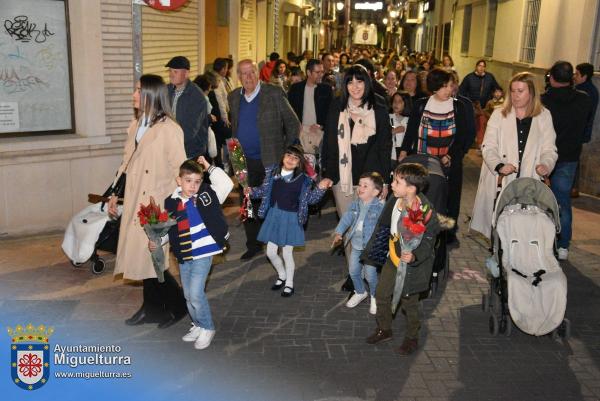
532, 17
466, 29
491, 28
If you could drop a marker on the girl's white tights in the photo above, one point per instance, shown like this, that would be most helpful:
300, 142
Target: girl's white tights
285, 273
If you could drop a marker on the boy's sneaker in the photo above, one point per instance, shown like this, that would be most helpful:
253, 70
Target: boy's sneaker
379, 336
356, 299
204, 339
563, 254
193, 334
373, 306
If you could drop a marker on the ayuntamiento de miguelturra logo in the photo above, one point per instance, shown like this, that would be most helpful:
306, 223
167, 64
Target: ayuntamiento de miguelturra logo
30, 355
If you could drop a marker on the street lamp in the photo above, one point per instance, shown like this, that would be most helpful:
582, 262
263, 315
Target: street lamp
339, 5
384, 20
393, 14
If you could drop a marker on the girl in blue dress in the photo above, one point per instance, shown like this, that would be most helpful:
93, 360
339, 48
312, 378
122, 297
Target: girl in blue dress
286, 193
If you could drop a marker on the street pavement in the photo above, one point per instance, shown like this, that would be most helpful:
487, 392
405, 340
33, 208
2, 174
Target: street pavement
310, 346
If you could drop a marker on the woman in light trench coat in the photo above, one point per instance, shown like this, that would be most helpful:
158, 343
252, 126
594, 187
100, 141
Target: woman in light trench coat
153, 153
519, 142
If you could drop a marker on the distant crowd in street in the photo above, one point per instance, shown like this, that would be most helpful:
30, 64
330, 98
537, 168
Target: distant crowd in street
344, 120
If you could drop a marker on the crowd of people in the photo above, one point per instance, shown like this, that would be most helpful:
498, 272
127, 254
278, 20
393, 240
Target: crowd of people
343, 121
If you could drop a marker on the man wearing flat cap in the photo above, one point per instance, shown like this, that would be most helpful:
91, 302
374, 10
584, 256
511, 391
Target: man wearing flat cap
189, 107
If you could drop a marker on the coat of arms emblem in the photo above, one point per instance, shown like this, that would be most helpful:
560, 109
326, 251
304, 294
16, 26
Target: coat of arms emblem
30, 355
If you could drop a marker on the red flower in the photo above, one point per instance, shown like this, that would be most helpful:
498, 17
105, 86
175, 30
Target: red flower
163, 217
143, 220
417, 228
231, 145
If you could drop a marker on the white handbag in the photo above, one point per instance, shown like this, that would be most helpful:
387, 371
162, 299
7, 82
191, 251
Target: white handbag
212, 143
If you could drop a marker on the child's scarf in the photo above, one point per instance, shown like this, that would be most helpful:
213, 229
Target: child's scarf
364, 127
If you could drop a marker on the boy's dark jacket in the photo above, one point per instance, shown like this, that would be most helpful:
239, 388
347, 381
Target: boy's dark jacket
418, 273
209, 207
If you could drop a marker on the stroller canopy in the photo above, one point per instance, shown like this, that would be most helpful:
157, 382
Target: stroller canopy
528, 191
437, 185
431, 163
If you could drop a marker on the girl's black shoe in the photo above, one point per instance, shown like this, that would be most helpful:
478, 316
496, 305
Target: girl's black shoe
278, 284
287, 292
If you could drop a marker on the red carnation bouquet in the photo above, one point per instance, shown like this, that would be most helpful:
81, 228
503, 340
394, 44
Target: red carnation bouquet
156, 224
414, 218
240, 169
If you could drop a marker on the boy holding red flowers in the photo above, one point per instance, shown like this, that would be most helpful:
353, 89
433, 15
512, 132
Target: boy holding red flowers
200, 233
408, 201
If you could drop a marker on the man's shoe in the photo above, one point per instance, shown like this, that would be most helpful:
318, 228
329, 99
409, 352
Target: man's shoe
193, 334
356, 299
379, 336
278, 284
287, 292
408, 347
373, 306
170, 320
250, 253
204, 339
563, 254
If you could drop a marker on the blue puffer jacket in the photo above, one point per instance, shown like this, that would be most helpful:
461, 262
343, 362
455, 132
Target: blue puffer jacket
350, 218
310, 194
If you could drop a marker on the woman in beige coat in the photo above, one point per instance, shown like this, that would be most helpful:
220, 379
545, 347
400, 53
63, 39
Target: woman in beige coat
153, 153
519, 142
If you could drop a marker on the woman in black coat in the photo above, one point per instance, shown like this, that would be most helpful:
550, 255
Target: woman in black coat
439, 125
358, 137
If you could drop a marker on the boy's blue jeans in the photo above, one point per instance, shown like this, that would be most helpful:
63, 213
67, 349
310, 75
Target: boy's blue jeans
561, 182
355, 268
193, 279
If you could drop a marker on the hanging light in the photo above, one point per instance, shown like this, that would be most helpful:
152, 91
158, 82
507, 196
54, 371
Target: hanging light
384, 20
339, 5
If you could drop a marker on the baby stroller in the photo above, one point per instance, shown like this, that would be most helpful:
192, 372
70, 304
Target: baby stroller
90, 230
437, 193
527, 285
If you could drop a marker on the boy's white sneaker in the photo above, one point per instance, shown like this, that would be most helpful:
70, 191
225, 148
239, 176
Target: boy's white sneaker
193, 334
356, 299
563, 253
373, 307
204, 339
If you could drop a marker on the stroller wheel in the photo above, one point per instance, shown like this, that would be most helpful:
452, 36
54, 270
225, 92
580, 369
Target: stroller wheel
434, 286
98, 266
562, 331
494, 325
485, 302
506, 325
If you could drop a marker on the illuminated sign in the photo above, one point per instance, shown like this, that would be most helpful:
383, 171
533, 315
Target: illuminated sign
378, 5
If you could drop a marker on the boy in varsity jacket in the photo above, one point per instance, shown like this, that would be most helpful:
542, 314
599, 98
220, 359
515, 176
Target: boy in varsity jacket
200, 233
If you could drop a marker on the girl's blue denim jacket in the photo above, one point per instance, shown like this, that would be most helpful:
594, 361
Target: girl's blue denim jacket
350, 218
310, 194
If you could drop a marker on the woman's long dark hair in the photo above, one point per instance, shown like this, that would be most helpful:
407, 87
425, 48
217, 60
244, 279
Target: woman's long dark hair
359, 73
154, 99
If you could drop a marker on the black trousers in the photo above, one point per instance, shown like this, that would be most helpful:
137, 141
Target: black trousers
162, 298
455, 178
256, 175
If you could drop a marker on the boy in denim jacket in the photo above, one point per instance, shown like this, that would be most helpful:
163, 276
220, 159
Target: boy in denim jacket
359, 222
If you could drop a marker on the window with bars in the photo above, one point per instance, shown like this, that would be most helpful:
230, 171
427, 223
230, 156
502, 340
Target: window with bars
466, 29
532, 17
491, 28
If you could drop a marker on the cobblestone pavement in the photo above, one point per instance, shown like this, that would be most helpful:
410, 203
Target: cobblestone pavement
310, 346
